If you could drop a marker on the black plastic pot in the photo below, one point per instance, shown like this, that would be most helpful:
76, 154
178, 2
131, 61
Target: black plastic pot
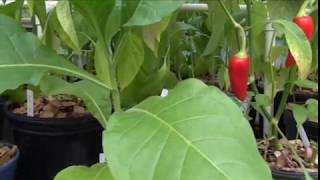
2, 102
49, 145
284, 175
7, 171
290, 127
287, 122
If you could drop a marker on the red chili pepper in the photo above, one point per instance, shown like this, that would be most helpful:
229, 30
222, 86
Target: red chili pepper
238, 73
307, 25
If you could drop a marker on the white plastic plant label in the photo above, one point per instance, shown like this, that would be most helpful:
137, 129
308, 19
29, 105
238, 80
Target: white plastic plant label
102, 158
164, 92
30, 103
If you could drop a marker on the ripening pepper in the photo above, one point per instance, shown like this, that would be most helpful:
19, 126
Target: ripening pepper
238, 74
307, 26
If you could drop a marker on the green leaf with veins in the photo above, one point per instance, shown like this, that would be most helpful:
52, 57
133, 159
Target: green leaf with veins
26, 59
129, 58
194, 133
298, 44
150, 11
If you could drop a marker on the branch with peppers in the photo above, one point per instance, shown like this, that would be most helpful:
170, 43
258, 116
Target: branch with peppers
239, 63
306, 24
239, 72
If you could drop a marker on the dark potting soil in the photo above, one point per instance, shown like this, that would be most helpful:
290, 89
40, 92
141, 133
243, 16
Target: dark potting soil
54, 107
283, 160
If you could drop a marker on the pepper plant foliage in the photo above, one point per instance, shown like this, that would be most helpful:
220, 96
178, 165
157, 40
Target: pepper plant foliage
196, 132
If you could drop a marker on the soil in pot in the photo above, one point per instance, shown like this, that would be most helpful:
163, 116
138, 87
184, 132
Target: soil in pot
60, 135
8, 160
283, 164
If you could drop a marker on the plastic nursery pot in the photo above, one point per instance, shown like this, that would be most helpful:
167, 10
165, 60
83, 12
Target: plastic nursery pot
7, 170
2, 103
290, 127
284, 175
287, 122
49, 145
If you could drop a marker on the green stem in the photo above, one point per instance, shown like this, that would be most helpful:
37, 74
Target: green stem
285, 95
251, 39
116, 100
242, 52
302, 10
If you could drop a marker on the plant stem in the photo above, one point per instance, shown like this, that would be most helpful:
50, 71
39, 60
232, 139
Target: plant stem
285, 95
116, 100
242, 33
302, 10
251, 39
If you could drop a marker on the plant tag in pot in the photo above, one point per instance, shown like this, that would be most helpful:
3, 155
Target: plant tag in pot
102, 158
164, 92
29, 103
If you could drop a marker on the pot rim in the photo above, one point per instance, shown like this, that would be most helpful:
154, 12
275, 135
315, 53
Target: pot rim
12, 160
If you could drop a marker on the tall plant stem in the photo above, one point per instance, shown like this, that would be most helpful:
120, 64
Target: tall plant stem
285, 95
242, 33
302, 10
251, 39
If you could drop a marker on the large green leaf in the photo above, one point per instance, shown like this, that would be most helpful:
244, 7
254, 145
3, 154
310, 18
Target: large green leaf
9, 9
152, 11
194, 133
283, 9
96, 13
298, 44
95, 172
24, 59
64, 16
94, 97
129, 58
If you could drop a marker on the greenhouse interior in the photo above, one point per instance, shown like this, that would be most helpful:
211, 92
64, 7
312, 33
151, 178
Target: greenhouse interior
158, 89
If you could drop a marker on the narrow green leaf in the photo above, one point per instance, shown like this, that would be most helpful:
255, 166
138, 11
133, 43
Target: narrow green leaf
26, 59
300, 113
194, 133
129, 58
298, 44
217, 20
305, 83
114, 23
38, 8
64, 16
95, 172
